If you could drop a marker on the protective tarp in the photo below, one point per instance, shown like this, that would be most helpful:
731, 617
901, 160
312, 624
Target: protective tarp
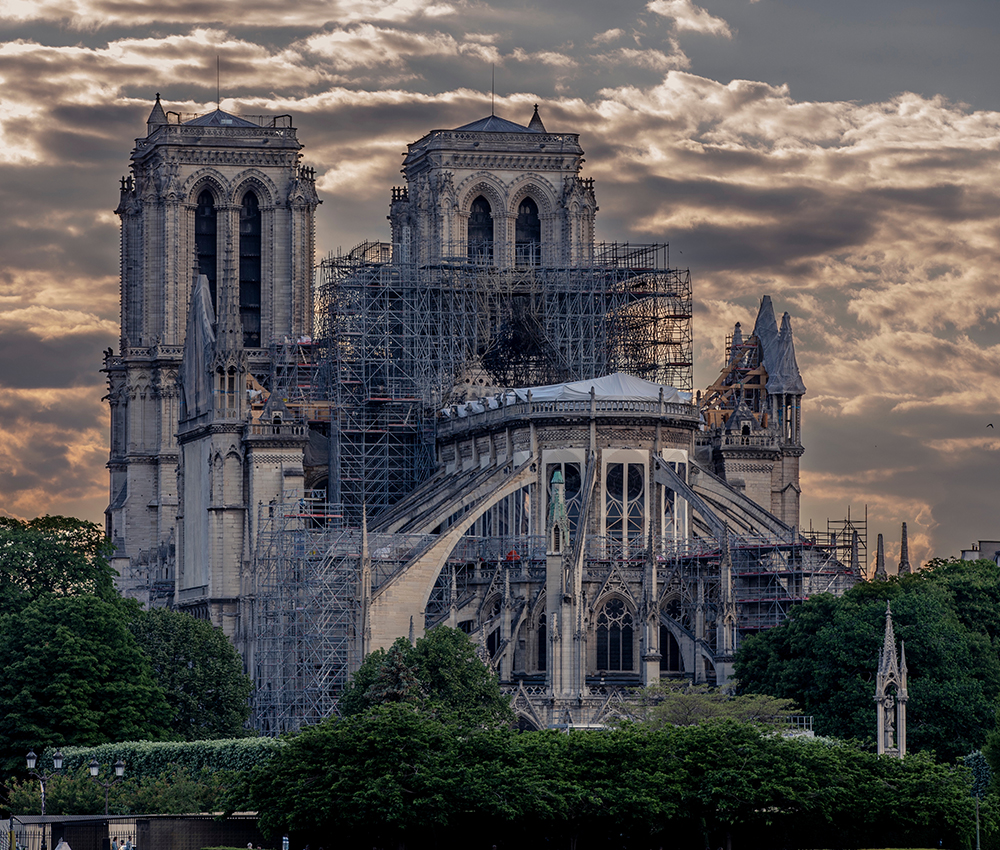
616, 387
783, 375
199, 344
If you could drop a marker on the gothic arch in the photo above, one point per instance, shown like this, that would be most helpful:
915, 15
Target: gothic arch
487, 186
538, 189
207, 178
260, 184
616, 634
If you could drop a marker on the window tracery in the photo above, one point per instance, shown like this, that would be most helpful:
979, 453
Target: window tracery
615, 637
625, 505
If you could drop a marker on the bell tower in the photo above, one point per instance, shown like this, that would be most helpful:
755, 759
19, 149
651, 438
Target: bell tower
225, 197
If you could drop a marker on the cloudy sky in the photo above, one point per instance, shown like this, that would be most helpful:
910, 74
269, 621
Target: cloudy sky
841, 157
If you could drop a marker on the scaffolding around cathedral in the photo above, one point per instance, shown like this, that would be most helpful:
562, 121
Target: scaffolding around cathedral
401, 341
298, 616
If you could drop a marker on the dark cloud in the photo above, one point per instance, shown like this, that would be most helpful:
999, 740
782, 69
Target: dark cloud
63, 361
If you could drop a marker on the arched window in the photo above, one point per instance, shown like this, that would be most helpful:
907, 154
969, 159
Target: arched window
670, 652
481, 231
528, 234
543, 643
615, 637
250, 270
205, 245
625, 504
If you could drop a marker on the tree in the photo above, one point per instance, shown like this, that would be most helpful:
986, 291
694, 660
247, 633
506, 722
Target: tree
52, 555
73, 674
200, 671
441, 673
681, 703
398, 776
825, 656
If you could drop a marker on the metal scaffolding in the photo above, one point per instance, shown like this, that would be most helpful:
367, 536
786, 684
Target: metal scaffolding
401, 341
299, 614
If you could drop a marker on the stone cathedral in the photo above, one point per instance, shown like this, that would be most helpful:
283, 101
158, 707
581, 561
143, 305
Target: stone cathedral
217, 254
487, 421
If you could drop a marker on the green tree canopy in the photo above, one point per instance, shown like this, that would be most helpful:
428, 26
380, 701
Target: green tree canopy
441, 673
200, 671
671, 702
52, 555
74, 674
398, 776
825, 656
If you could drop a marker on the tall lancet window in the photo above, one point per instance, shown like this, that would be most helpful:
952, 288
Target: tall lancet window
528, 234
250, 270
205, 243
615, 637
481, 231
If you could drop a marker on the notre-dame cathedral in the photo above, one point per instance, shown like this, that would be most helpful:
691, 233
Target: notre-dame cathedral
486, 421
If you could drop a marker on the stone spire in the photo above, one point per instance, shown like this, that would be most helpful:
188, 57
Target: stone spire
536, 122
783, 373
891, 694
880, 560
558, 518
855, 560
904, 555
766, 331
156, 116
734, 350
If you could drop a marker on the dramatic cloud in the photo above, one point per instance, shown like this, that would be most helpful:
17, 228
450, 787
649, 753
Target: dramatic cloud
868, 214
687, 16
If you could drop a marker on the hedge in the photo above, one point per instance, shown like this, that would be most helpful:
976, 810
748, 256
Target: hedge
152, 758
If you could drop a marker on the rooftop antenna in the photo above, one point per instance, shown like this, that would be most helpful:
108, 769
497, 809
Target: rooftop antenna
218, 84
493, 90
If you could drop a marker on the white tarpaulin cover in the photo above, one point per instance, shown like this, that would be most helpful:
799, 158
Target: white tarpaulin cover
616, 387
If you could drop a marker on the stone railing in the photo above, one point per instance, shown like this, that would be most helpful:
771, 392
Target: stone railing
753, 440
282, 429
589, 408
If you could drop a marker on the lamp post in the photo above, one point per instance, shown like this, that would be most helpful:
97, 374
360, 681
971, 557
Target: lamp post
44, 776
106, 784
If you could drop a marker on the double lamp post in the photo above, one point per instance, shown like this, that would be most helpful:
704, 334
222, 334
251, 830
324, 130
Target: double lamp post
44, 776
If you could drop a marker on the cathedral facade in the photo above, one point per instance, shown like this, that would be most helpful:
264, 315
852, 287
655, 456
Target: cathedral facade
498, 410
224, 201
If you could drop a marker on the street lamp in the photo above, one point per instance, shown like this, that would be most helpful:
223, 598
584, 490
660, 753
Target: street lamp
106, 784
43, 776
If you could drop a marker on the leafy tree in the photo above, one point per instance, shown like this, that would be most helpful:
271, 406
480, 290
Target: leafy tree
200, 671
73, 674
398, 776
825, 656
681, 703
441, 673
52, 555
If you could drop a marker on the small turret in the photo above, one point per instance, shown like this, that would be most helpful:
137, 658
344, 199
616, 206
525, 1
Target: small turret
157, 117
536, 122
